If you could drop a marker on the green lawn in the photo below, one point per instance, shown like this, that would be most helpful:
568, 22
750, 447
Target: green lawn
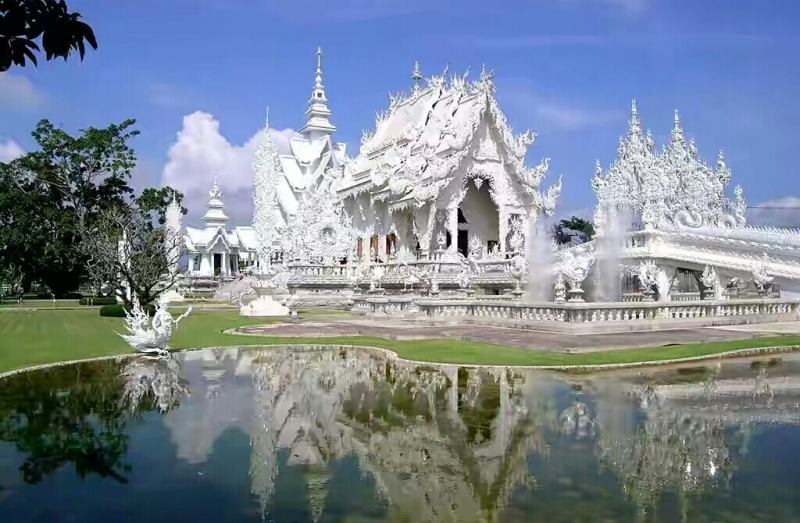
43, 336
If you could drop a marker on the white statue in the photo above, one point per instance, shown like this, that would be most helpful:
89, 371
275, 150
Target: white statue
575, 268
710, 280
150, 336
560, 289
761, 277
648, 277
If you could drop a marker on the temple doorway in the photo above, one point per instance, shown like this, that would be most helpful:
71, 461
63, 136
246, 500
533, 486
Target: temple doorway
463, 242
217, 263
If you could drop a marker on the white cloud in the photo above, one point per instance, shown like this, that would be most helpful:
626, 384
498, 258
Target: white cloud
201, 152
19, 92
550, 110
778, 212
10, 150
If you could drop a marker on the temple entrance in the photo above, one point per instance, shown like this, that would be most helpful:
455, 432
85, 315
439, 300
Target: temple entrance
463, 243
217, 263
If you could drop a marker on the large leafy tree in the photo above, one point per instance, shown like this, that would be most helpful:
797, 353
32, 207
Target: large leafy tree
29, 26
49, 196
52, 199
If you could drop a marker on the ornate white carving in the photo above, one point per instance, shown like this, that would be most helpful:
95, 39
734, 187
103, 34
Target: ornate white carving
150, 336
266, 214
560, 289
710, 280
672, 189
320, 231
575, 268
761, 277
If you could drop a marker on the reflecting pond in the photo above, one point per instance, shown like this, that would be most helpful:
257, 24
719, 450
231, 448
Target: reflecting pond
310, 434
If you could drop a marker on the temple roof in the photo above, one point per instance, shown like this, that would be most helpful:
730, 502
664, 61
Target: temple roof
241, 238
422, 138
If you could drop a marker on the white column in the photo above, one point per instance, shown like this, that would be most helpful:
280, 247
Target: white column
191, 262
502, 220
382, 248
452, 227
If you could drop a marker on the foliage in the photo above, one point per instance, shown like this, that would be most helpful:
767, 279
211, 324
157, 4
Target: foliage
50, 199
573, 231
47, 197
22, 22
154, 202
124, 248
66, 415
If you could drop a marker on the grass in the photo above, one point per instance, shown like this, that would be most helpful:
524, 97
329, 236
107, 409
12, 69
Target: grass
43, 336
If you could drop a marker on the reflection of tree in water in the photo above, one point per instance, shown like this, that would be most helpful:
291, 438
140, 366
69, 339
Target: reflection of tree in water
442, 444
71, 414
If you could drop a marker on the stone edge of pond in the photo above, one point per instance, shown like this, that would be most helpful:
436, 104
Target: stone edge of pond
737, 353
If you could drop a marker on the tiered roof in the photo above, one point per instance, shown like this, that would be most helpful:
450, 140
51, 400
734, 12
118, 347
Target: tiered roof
423, 137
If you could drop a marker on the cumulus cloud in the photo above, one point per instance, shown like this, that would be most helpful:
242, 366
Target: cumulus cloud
201, 152
10, 150
19, 92
779, 212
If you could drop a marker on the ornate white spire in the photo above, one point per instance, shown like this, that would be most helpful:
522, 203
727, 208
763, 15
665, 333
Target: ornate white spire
318, 114
416, 73
215, 215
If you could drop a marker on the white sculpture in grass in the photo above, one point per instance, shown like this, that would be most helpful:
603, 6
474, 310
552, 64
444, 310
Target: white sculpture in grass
266, 173
150, 336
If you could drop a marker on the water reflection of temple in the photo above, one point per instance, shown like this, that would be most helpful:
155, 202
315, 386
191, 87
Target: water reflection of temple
450, 443
444, 444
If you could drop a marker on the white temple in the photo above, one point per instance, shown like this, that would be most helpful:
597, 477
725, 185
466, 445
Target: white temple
215, 250
439, 204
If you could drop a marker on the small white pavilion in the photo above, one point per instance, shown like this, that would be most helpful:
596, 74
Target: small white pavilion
214, 250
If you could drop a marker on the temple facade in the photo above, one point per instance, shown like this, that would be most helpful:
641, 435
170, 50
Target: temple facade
441, 170
439, 203
214, 250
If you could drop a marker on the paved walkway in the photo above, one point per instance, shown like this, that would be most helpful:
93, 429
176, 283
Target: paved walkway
529, 339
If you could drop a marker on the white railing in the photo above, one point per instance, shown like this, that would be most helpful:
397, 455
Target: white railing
569, 312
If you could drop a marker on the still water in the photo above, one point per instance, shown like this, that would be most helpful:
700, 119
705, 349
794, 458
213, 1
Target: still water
303, 434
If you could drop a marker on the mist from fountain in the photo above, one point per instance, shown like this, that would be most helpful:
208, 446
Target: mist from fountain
539, 256
610, 244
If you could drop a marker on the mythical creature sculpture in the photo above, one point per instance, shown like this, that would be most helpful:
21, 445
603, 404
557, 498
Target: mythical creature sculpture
150, 336
575, 268
648, 277
761, 278
710, 280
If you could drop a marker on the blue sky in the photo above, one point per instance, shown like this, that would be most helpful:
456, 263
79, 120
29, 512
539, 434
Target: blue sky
564, 68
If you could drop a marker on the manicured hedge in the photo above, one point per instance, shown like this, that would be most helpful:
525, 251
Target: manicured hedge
118, 310
100, 300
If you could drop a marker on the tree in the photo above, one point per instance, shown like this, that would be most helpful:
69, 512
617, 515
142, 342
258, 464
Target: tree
125, 249
573, 231
23, 22
50, 196
155, 202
